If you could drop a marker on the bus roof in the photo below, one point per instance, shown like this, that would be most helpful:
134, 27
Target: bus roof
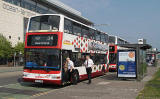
72, 20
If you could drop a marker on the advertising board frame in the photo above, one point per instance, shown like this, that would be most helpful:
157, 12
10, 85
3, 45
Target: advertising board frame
127, 61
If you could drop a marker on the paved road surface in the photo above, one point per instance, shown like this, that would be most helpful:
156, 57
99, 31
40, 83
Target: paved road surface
10, 78
104, 87
101, 88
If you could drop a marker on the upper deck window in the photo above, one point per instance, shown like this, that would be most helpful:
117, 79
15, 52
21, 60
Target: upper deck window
77, 29
120, 41
47, 22
91, 34
98, 36
107, 38
85, 31
68, 27
111, 39
103, 38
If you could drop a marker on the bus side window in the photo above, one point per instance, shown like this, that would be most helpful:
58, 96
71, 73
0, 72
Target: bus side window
103, 39
77, 29
68, 28
77, 59
85, 31
98, 36
107, 38
99, 59
91, 34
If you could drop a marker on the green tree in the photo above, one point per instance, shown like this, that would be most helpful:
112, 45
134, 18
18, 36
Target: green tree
5, 47
19, 48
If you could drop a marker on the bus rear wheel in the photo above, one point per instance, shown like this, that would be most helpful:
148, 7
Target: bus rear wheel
103, 70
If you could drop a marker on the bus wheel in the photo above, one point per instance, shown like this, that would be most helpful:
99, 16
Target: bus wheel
75, 78
103, 70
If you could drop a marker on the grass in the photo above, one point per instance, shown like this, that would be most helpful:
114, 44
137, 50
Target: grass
152, 88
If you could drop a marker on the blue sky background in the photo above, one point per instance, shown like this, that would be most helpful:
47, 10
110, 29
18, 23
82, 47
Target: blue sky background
129, 19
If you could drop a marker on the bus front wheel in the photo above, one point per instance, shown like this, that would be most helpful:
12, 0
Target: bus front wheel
75, 77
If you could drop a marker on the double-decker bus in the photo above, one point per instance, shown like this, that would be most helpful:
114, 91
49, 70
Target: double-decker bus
113, 41
51, 38
112, 53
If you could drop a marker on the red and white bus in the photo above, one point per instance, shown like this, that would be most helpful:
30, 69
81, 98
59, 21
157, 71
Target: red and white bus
112, 57
50, 38
113, 41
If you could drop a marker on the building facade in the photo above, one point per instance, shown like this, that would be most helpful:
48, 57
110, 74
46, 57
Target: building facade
15, 14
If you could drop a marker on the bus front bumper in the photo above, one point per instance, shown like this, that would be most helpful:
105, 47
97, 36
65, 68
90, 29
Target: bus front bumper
113, 67
45, 81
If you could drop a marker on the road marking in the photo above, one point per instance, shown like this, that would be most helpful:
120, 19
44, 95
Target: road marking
103, 83
8, 85
43, 93
47, 92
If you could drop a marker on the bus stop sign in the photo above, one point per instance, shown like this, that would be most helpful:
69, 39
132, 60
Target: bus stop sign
126, 62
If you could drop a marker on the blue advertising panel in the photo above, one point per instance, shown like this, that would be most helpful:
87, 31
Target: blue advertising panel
126, 63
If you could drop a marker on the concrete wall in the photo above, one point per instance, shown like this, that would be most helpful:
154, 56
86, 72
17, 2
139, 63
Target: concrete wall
12, 21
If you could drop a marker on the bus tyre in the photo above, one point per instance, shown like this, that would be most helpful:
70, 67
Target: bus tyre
75, 77
103, 70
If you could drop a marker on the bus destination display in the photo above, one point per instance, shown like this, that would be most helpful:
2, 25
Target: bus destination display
42, 40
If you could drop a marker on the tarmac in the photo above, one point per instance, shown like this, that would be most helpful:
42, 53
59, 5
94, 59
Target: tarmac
103, 87
4, 69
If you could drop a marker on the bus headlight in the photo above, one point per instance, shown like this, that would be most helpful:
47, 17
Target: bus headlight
25, 75
56, 77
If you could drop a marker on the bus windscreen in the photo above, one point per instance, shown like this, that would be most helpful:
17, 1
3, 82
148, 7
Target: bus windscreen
46, 22
112, 58
42, 58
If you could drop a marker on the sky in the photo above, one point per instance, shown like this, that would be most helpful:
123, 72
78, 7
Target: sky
129, 19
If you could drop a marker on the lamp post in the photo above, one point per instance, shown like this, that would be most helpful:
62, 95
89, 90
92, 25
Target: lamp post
15, 59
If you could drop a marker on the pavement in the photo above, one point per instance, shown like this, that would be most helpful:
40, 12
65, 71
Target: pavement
10, 69
103, 87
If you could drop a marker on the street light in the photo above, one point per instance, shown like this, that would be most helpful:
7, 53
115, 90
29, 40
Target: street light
15, 59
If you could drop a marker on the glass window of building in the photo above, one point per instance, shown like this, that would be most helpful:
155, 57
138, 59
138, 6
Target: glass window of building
19, 38
9, 1
28, 4
68, 28
85, 31
77, 29
17, 2
41, 9
50, 11
10, 37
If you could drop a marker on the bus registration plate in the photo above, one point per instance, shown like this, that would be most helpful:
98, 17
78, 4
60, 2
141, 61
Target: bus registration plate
39, 81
